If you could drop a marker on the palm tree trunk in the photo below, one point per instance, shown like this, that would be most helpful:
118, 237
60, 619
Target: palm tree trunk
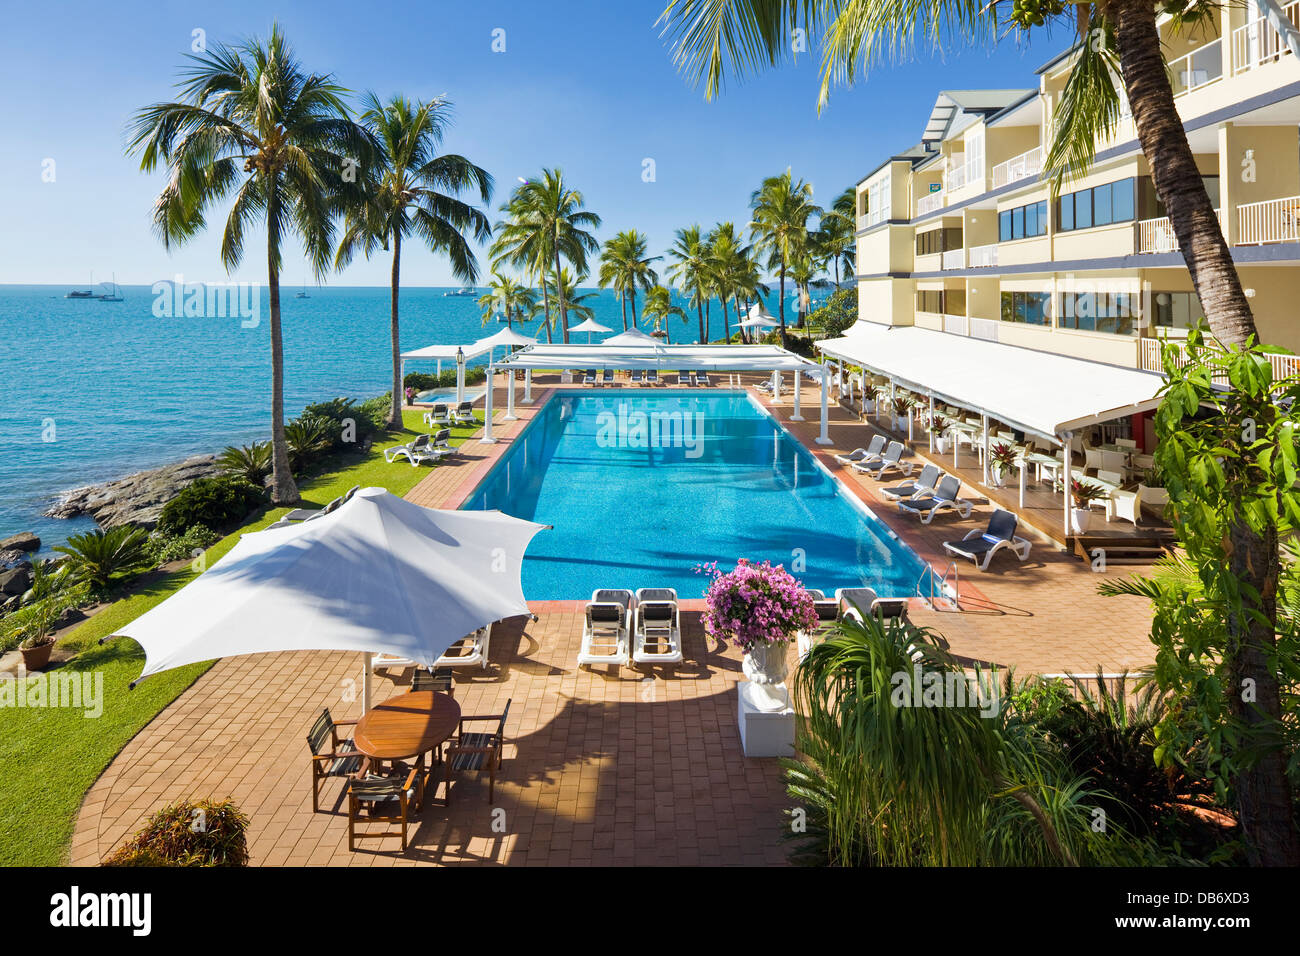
1263, 791
559, 291
699, 310
781, 304
622, 299
395, 413
708, 310
283, 489
546, 307
633, 297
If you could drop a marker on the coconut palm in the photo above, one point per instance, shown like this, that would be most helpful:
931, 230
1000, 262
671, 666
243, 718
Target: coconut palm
834, 239
782, 207
690, 254
508, 297
724, 264
252, 121
546, 223
659, 308
411, 189
625, 267
566, 291
1119, 50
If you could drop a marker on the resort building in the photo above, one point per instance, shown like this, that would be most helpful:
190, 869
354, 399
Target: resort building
959, 234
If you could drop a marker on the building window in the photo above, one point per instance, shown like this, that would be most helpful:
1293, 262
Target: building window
878, 200
1023, 222
941, 301
1176, 310
1030, 308
1113, 312
938, 240
929, 300
1099, 206
1150, 206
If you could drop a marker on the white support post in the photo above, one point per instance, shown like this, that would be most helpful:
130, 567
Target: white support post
930, 423
798, 384
984, 421
1023, 466
1066, 474
487, 438
776, 387
510, 396
825, 438
439, 368
401, 377
528, 386
460, 382
365, 682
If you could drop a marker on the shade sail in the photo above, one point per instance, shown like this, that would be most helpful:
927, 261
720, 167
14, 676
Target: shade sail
1041, 392
506, 336
632, 336
710, 358
379, 574
759, 322
447, 351
759, 311
590, 325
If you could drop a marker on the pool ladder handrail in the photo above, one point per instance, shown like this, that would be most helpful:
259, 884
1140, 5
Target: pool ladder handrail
943, 581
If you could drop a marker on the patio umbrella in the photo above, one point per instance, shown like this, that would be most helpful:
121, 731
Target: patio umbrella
379, 574
589, 326
507, 337
631, 337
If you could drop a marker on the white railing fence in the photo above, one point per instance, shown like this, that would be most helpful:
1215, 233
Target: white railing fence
1274, 220
954, 259
984, 256
1020, 167
956, 324
1157, 235
986, 329
1199, 68
929, 203
1150, 359
1257, 43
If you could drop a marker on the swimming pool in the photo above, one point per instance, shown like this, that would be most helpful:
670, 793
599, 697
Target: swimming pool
641, 486
449, 395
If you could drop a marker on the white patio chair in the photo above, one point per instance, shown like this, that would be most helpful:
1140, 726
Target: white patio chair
468, 651
946, 497
981, 546
606, 627
870, 453
657, 633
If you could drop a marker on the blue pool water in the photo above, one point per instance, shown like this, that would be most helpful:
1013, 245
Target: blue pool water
721, 481
449, 395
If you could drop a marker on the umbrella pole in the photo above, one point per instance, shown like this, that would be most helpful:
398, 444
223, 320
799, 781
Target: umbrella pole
365, 682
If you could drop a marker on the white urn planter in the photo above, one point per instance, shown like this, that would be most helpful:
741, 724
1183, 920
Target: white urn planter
766, 667
900, 423
1080, 520
941, 444
998, 476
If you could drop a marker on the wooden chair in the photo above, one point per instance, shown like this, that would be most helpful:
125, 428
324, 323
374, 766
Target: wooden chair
478, 751
439, 680
373, 791
342, 759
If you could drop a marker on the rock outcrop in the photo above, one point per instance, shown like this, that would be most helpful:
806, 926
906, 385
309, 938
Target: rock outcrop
136, 499
21, 542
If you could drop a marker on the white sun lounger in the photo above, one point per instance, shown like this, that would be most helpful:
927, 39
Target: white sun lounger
421, 450
981, 546
945, 497
606, 627
870, 453
828, 612
923, 485
469, 650
657, 634
891, 460
438, 415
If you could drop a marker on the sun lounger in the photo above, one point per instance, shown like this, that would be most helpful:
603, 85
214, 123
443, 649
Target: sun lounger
702, 378
606, 627
637, 376
437, 415
607, 377
891, 460
981, 546
415, 452
870, 453
683, 378
652, 377
657, 634
828, 612
857, 603
469, 650
923, 485
307, 514
589, 377
945, 498
464, 414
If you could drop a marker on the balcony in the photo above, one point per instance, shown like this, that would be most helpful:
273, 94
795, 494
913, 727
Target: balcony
1201, 67
963, 175
1020, 167
1149, 359
931, 202
954, 259
1273, 220
1257, 43
1157, 235
982, 257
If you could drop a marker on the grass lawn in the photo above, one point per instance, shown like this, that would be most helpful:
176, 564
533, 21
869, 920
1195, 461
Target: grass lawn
51, 756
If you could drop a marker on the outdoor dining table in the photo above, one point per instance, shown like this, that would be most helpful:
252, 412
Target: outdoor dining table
407, 726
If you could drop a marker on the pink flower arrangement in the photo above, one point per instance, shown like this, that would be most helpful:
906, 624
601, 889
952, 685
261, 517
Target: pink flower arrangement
755, 604
410, 395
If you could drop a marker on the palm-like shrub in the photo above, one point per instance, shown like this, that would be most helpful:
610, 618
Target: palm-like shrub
215, 503
308, 437
203, 833
100, 558
250, 462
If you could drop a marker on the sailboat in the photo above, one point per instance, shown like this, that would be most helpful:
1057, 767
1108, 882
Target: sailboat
113, 295
468, 290
88, 294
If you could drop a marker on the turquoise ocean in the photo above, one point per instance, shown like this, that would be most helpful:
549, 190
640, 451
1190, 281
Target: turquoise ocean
97, 390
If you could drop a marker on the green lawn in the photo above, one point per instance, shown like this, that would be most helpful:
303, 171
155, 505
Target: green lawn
51, 756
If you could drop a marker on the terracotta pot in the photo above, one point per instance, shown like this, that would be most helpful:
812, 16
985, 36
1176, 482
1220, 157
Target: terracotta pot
34, 658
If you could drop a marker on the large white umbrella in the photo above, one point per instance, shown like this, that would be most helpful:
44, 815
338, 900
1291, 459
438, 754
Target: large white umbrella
379, 574
589, 326
506, 336
632, 336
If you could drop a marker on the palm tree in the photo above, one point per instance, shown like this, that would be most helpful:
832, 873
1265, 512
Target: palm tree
410, 188
565, 291
782, 208
547, 222
835, 239
723, 263
251, 120
1119, 46
625, 266
659, 307
690, 254
509, 297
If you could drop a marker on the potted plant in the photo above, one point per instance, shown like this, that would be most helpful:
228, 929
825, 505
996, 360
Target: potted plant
938, 426
1082, 492
410, 396
37, 639
902, 405
759, 608
1152, 488
1003, 457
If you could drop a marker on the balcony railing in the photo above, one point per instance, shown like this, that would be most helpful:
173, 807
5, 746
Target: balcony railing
964, 174
954, 259
1149, 359
955, 324
1257, 43
986, 329
929, 203
1273, 220
1020, 167
1202, 66
984, 256
1157, 235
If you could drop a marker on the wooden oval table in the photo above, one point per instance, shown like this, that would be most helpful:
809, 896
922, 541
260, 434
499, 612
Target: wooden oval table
407, 726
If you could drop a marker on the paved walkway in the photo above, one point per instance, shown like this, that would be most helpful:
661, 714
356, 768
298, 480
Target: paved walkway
600, 768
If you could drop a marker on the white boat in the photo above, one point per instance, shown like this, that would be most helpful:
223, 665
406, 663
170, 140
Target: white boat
113, 295
468, 290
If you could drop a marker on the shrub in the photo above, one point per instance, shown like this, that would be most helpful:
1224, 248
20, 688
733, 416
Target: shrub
203, 833
30, 624
375, 410
308, 439
217, 503
839, 312
99, 558
338, 413
422, 381
173, 547
250, 462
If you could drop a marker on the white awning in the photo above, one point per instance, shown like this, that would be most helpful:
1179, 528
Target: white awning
711, 358
448, 351
506, 336
1040, 392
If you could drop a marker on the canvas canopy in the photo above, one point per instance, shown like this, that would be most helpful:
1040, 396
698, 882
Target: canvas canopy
710, 358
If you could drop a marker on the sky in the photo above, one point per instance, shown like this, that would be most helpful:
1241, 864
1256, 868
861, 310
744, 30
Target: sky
587, 86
